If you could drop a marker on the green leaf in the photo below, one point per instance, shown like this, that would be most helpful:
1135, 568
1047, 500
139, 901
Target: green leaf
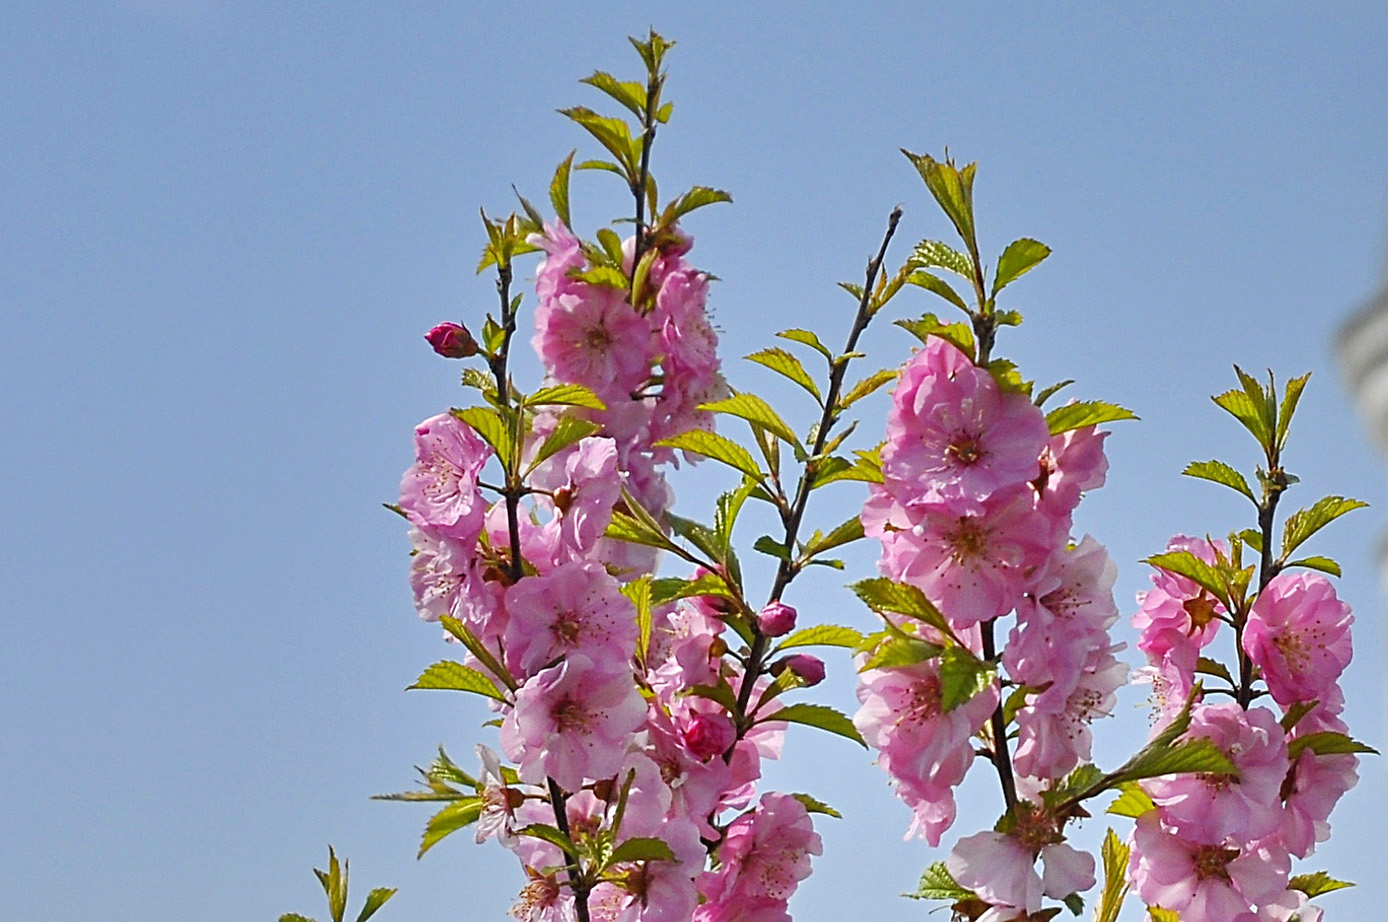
452, 676
641, 848
1239, 405
1049, 392
494, 430
934, 253
612, 133
374, 901
1115, 857
815, 805
568, 395
771, 547
334, 885
867, 385
478, 649
295, 917
939, 286
957, 334
1184, 563
1085, 413
1313, 885
818, 715
882, 594
566, 432
888, 650
823, 635
805, 337
1290, 397
1158, 914
1324, 743
1075, 903
952, 189
450, 819
1020, 257
1207, 666
867, 469
722, 693
632, 530
757, 412
550, 834
1009, 379
1304, 523
1219, 472
1199, 756
559, 189
630, 94
1324, 564
846, 533
1294, 714
784, 363
1133, 801
719, 448
639, 592
697, 197
937, 883
962, 676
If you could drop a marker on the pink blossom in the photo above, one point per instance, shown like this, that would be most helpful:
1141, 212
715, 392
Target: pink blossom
807, 667
1065, 870
452, 341
592, 336
953, 435
1054, 734
763, 856
543, 900
1315, 784
1292, 906
1071, 463
1177, 611
563, 254
585, 484
440, 488
776, 619
999, 869
499, 801
1213, 809
573, 721
1298, 635
709, 735
1203, 883
576, 607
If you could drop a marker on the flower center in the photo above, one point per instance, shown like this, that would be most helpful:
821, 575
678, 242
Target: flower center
965, 449
1212, 861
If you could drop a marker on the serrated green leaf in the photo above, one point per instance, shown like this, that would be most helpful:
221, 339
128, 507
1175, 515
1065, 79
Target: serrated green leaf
1184, 563
1238, 405
815, 805
1323, 564
719, 448
1009, 379
569, 395
374, 901
962, 677
630, 94
935, 284
494, 430
1048, 392
845, 533
567, 431
1075, 903
961, 335
822, 635
769, 546
786, 364
632, 530
663, 114
821, 716
868, 385
757, 412
1199, 756
612, 133
937, 883
1085, 413
697, 197
1019, 258
805, 337
886, 650
1304, 523
1326, 742
953, 190
1313, 885
1219, 472
641, 848
451, 676
867, 469
1115, 857
548, 833
1132, 801
450, 819
478, 649
935, 253
722, 693
1294, 714
639, 592
1207, 666
1290, 397
882, 594
559, 189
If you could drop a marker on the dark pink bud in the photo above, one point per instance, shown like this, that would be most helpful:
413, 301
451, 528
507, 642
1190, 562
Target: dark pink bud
776, 618
809, 668
709, 735
452, 341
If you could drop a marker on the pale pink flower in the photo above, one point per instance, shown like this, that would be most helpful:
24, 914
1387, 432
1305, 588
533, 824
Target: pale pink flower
1214, 809
1203, 883
543, 900
1071, 463
440, 488
499, 801
592, 336
585, 484
573, 721
1054, 734
1177, 611
1292, 906
763, 856
1315, 784
563, 254
1000, 870
1065, 870
953, 435
1298, 635
576, 607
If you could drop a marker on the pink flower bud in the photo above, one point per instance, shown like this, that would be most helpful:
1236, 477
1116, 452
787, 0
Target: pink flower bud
709, 735
809, 668
452, 341
776, 618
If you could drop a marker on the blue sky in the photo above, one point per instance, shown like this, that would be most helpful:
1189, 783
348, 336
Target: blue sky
226, 226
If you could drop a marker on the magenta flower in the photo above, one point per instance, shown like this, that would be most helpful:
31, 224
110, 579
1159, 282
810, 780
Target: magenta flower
1298, 635
452, 341
776, 619
809, 668
593, 336
1203, 883
576, 607
953, 436
573, 722
440, 488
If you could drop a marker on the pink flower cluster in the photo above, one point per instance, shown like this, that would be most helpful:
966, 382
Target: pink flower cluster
1218, 847
608, 720
975, 510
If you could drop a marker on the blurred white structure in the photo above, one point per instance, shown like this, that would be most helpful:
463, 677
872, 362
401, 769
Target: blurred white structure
1363, 349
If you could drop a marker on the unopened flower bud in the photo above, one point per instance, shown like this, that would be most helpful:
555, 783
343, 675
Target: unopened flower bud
709, 735
452, 341
809, 669
775, 619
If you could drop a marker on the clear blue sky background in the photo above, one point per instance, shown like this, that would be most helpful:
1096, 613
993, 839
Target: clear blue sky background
225, 226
